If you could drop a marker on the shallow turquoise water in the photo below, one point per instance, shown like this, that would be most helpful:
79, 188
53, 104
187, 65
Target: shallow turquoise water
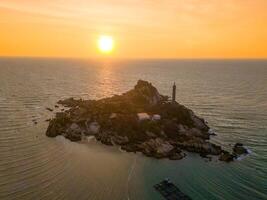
230, 95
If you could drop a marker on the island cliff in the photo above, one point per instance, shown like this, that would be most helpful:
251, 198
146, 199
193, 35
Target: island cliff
140, 120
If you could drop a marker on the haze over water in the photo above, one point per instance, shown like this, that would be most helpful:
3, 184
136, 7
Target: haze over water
231, 95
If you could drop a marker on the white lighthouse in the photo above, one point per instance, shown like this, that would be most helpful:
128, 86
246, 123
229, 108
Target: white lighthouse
173, 93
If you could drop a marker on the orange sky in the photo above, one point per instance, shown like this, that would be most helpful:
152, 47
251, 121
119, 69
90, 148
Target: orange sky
141, 28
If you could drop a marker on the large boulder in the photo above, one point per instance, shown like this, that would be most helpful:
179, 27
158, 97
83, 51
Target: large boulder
54, 128
226, 156
92, 128
171, 129
120, 140
157, 148
147, 92
70, 102
198, 146
74, 132
199, 123
143, 116
239, 149
105, 138
58, 125
176, 156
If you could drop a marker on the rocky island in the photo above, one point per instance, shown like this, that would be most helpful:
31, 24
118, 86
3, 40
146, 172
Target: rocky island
140, 120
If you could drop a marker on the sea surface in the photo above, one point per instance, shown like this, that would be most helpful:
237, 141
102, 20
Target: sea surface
230, 94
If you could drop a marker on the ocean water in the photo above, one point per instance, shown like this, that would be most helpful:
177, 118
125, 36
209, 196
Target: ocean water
231, 95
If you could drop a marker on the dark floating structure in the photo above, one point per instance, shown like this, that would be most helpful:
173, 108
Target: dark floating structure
170, 191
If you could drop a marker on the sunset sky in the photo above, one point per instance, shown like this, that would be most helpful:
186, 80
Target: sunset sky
140, 28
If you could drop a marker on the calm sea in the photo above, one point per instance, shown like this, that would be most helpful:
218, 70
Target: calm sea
230, 95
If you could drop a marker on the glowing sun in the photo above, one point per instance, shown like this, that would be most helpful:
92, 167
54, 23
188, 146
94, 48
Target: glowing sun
105, 44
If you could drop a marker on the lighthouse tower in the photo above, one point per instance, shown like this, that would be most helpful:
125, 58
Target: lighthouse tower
173, 93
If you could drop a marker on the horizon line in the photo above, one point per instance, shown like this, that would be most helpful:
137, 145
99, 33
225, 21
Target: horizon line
130, 58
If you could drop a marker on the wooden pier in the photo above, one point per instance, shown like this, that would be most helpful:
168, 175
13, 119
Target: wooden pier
170, 191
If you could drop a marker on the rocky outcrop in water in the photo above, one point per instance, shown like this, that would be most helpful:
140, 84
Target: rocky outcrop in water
239, 149
140, 120
226, 156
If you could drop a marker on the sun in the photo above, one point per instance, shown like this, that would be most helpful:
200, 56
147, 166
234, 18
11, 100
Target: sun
105, 44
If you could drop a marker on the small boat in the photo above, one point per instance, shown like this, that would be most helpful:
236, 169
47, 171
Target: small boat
170, 191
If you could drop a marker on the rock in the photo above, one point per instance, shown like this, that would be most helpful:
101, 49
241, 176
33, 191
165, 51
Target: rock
147, 93
74, 132
157, 148
171, 129
59, 126
143, 116
74, 128
176, 156
156, 117
70, 102
238, 149
92, 128
226, 156
56, 106
203, 155
151, 134
182, 129
211, 132
205, 148
194, 132
74, 137
199, 122
120, 140
212, 148
105, 138
79, 112
130, 148
209, 158
164, 148
54, 129
49, 109
113, 116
